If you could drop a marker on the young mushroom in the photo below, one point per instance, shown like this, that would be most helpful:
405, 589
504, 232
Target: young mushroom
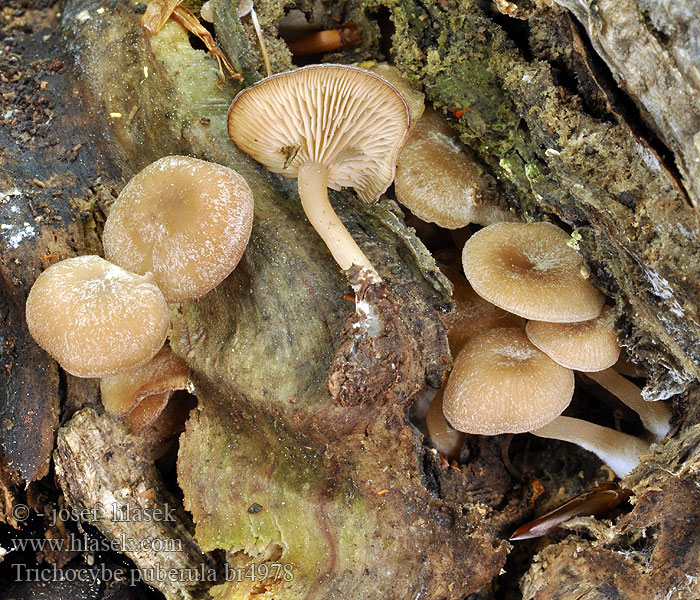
501, 383
439, 182
441, 434
591, 347
95, 318
329, 126
471, 314
528, 269
140, 394
185, 220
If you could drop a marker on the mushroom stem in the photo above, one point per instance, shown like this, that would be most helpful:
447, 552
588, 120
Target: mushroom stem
655, 416
245, 7
618, 450
263, 48
313, 192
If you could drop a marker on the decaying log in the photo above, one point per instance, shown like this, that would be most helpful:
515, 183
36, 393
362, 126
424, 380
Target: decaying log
653, 549
651, 47
272, 470
106, 474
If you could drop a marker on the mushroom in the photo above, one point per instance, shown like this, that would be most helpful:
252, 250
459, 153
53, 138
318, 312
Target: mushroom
186, 220
330, 126
442, 435
415, 99
501, 383
140, 394
528, 269
471, 314
591, 347
439, 182
95, 318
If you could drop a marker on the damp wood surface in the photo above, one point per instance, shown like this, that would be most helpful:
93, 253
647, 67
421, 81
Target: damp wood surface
270, 467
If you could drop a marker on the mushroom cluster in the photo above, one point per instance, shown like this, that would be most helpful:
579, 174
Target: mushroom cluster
517, 378
177, 229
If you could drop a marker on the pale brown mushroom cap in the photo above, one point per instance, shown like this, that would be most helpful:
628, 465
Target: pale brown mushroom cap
95, 318
141, 394
501, 383
439, 182
583, 346
528, 269
186, 220
471, 314
346, 119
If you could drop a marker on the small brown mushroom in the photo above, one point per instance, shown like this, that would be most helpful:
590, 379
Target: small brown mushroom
501, 383
95, 318
441, 434
439, 182
591, 347
330, 126
186, 220
471, 314
140, 395
528, 269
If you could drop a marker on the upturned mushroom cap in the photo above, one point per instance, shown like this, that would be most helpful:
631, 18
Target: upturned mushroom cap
439, 182
346, 119
528, 269
471, 314
414, 98
501, 383
186, 220
583, 346
141, 394
95, 318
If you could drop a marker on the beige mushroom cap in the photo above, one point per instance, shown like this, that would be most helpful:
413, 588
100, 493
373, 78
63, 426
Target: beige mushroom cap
471, 314
528, 269
439, 182
186, 220
346, 119
501, 383
95, 318
142, 393
584, 346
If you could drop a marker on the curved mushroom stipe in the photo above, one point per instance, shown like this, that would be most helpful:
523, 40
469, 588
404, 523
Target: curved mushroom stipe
618, 450
655, 416
592, 348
